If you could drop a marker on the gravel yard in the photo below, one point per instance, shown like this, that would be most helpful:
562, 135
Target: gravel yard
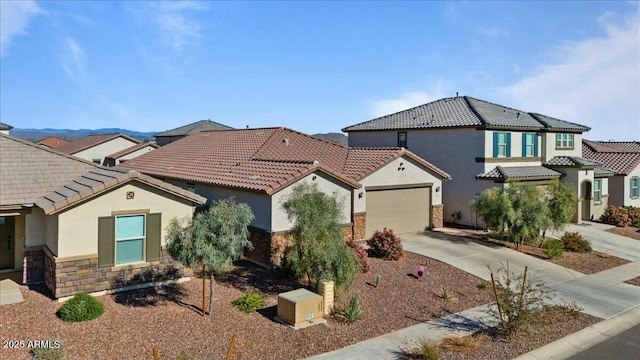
137, 321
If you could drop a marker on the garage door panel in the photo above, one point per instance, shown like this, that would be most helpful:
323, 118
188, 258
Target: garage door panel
403, 210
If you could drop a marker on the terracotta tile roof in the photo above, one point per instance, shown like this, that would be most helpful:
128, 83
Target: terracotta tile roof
519, 173
99, 180
262, 159
131, 149
363, 161
623, 162
465, 111
630, 146
86, 142
28, 171
202, 125
52, 142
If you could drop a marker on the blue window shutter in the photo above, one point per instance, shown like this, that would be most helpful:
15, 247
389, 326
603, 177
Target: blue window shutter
495, 144
508, 144
535, 145
524, 144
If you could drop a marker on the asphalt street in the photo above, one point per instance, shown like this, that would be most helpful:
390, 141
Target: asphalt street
624, 346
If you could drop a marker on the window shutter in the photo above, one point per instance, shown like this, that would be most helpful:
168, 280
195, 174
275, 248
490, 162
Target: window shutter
508, 144
524, 144
535, 145
106, 241
153, 237
495, 144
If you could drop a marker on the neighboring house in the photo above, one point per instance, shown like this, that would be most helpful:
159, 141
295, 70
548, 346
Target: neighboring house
5, 128
483, 145
79, 227
381, 187
624, 159
52, 142
129, 153
170, 136
96, 148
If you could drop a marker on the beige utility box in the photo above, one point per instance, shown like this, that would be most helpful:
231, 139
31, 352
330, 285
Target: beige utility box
300, 308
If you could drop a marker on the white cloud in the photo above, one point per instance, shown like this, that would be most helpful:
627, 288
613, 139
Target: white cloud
403, 102
595, 82
178, 27
72, 59
14, 20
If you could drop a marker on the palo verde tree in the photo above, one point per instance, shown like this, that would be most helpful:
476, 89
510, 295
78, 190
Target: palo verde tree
213, 240
516, 211
561, 201
319, 251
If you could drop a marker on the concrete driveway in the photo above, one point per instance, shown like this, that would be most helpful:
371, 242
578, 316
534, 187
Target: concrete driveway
603, 294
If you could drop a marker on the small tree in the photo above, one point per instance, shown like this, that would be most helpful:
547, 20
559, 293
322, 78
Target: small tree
560, 201
319, 251
213, 240
516, 211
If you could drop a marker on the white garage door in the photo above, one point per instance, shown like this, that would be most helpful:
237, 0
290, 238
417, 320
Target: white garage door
403, 210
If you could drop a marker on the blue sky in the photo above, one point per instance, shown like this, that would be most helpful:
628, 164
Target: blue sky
314, 66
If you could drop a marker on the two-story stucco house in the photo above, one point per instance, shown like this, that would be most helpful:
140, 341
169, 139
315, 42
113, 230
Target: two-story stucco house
483, 145
623, 157
380, 187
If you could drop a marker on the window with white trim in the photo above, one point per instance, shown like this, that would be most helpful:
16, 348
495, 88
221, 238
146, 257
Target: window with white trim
634, 187
501, 144
597, 191
564, 141
130, 238
529, 145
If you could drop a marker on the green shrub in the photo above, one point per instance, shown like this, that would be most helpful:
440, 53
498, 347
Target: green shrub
351, 312
483, 284
574, 241
81, 307
446, 295
554, 248
47, 353
385, 244
249, 302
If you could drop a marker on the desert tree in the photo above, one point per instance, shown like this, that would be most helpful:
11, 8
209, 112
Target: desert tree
318, 251
213, 240
560, 200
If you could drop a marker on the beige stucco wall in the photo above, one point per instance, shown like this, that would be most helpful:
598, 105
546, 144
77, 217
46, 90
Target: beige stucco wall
78, 226
260, 203
549, 146
325, 183
134, 154
105, 149
393, 174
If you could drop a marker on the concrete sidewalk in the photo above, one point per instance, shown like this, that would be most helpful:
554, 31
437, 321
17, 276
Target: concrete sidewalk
603, 295
10, 292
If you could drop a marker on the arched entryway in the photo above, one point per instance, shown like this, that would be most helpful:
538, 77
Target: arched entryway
586, 192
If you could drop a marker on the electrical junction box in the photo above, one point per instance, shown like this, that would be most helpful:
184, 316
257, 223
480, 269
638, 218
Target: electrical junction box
300, 308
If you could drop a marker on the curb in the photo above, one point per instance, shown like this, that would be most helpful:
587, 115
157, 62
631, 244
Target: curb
586, 338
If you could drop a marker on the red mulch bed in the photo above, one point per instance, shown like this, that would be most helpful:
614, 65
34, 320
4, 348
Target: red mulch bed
628, 231
135, 322
634, 281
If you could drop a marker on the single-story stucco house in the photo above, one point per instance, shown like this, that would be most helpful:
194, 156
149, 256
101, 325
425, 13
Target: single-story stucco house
129, 153
79, 227
97, 147
380, 187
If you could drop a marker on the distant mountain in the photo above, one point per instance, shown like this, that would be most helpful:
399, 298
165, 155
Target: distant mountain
38, 134
337, 137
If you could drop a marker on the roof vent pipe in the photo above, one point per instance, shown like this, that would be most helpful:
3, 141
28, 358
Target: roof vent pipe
316, 162
286, 142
